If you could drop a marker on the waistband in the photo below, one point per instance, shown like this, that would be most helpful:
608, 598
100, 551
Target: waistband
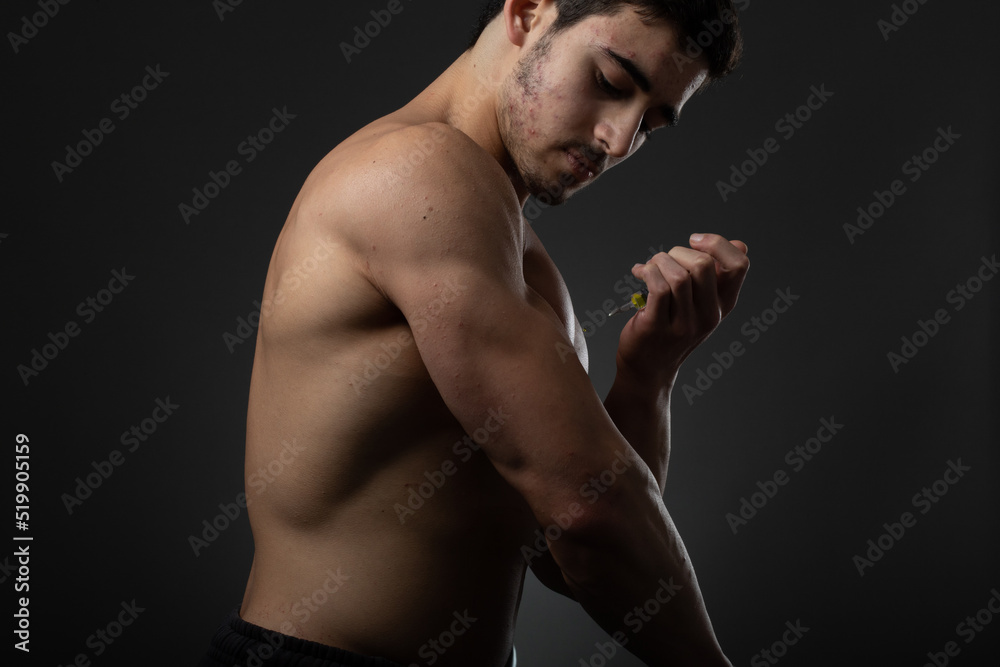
239, 642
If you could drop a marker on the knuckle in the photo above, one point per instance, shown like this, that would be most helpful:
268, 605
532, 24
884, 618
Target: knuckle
741, 265
703, 262
677, 275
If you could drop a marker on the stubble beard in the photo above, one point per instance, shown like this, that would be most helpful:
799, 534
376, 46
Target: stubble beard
521, 90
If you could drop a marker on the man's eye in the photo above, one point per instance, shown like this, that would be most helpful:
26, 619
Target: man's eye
606, 86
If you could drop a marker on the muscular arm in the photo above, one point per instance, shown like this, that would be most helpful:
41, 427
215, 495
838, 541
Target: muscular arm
690, 291
643, 417
498, 345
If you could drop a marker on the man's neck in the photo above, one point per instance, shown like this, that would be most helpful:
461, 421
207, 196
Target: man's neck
465, 96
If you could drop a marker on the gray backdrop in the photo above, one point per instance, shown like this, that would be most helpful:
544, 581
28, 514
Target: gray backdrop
882, 328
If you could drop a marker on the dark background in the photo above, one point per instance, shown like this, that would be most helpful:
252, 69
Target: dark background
826, 357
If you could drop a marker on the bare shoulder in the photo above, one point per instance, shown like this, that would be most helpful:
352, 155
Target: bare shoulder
411, 180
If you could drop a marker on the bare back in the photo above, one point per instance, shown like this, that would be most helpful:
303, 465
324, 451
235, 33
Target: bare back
379, 525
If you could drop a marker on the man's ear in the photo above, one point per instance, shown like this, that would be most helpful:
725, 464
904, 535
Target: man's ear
520, 17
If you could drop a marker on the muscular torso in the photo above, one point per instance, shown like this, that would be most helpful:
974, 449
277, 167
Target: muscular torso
379, 527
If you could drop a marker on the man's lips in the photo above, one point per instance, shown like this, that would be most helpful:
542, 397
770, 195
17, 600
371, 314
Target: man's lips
584, 168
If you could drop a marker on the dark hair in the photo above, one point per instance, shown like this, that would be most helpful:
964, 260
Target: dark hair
708, 28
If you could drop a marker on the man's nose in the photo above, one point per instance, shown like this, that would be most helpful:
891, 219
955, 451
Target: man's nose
617, 134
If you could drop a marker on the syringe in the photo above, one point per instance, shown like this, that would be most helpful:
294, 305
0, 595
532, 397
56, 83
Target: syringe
638, 302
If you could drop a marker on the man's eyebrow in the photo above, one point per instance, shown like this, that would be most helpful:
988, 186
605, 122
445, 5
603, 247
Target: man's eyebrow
642, 81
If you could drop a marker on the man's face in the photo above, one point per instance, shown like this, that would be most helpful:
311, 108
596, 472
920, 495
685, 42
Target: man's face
580, 101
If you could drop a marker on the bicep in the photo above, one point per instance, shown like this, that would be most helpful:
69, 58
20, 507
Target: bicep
493, 344
450, 258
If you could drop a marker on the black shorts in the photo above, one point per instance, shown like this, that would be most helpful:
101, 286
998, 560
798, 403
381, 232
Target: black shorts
238, 643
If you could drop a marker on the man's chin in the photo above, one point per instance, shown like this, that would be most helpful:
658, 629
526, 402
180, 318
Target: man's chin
558, 192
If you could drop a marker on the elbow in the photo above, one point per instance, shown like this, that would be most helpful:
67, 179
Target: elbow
587, 539
608, 516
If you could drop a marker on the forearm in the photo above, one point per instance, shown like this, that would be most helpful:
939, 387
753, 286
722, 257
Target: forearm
622, 564
642, 415
632, 574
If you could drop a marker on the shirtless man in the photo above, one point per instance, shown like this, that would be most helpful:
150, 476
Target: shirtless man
420, 390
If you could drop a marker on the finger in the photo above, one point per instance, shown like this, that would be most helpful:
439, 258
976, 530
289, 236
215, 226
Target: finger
664, 300
730, 256
741, 246
658, 295
701, 268
732, 267
680, 286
